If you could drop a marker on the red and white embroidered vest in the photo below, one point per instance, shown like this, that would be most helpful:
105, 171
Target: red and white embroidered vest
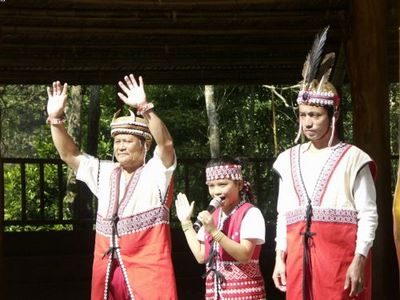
241, 280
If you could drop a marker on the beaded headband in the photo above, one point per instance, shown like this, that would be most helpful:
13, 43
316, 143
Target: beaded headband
324, 98
233, 172
131, 125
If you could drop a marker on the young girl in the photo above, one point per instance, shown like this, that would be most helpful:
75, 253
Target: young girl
229, 242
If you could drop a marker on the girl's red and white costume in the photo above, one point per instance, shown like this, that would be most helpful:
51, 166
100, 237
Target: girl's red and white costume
226, 277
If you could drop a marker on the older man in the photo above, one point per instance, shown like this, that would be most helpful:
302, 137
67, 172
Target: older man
132, 256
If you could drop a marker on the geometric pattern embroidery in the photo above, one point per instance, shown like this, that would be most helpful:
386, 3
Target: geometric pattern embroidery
235, 270
230, 171
135, 223
323, 178
115, 180
243, 281
233, 292
323, 215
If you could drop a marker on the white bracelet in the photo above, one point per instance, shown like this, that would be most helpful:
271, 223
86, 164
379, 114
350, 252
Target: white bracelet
55, 121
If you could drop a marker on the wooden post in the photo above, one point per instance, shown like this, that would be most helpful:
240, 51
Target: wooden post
366, 49
396, 201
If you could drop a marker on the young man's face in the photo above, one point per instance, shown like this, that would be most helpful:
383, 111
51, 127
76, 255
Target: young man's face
315, 122
128, 149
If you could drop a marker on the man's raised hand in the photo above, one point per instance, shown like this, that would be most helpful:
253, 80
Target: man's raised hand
57, 99
134, 94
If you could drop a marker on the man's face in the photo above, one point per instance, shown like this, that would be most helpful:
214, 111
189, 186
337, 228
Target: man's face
128, 149
315, 122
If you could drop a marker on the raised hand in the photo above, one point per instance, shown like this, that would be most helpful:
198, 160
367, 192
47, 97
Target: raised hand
184, 210
57, 99
134, 94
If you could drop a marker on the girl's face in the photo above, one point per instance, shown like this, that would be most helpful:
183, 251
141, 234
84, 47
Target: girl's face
230, 189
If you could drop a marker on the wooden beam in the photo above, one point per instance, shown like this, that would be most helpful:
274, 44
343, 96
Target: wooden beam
153, 76
160, 34
176, 4
366, 57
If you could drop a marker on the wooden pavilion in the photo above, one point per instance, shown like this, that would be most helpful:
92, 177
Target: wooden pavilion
219, 41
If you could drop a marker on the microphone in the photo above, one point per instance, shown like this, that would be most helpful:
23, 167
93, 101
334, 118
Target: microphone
213, 205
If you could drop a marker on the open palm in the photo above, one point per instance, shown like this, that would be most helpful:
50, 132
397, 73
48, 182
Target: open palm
57, 99
184, 210
134, 94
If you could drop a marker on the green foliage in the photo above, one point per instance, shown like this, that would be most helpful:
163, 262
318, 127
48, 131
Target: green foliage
13, 193
23, 115
246, 123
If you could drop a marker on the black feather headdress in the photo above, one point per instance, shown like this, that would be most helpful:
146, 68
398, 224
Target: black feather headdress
313, 59
316, 72
315, 88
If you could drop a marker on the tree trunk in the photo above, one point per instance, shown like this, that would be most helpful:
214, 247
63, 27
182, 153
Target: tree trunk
73, 113
367, 64
274, 129
86, 207
212, 114
93, 120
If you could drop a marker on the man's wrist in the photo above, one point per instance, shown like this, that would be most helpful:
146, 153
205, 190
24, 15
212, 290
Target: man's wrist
359, 257
144, 108
281, 254
55, 120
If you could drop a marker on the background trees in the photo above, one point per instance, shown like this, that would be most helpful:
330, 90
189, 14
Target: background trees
254, 122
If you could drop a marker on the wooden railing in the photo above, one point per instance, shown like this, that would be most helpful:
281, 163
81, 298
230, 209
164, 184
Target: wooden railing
189, 177
22, 182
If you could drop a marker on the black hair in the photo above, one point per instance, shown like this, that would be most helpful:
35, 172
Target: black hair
330, 110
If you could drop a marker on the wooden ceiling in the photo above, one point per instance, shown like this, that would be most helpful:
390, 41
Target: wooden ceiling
174, 42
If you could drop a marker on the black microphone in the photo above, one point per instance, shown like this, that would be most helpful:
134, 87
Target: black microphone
213, 205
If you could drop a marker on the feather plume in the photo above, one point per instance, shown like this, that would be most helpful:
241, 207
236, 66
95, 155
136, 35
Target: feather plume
314, 57
306, 65
326, 67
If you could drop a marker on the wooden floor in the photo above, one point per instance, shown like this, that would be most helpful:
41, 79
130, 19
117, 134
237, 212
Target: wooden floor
57, 265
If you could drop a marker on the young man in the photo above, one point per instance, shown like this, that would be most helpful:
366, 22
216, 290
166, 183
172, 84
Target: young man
132, 256
327, 213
